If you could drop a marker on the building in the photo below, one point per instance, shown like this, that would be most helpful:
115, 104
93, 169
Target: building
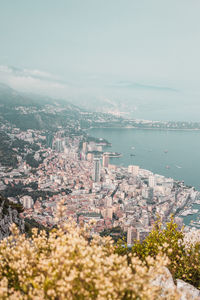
59, 144
91, 146
150, 195
134, 170
90, 157
82, 156
132, 235
85, 147
27, 202
98, 148
105, 161
108, 201
168, 183
152, 181
96, 170
112, 167
107, 213
147, 193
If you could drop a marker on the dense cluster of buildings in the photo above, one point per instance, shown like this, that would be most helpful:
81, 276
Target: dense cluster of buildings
92, 188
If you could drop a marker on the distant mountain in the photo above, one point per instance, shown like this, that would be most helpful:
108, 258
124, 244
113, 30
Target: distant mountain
11, 97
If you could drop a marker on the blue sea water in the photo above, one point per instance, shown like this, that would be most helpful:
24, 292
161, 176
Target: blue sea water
155, 149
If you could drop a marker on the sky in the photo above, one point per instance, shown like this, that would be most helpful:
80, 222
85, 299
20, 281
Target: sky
129, 52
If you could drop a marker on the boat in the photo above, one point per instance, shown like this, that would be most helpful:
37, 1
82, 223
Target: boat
167, 167
178, 167
133, 148
132, 154
165, 151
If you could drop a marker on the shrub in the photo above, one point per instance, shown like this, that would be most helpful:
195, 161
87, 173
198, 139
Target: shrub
66, 265
182, 250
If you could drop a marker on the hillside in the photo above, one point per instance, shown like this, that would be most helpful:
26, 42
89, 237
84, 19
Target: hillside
33, 111
43, 113
8, 156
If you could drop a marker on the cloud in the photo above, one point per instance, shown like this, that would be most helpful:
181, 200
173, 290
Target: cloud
38, 73
36, 81
24, 72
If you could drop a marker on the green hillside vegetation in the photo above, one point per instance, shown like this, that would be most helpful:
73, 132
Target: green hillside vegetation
33, 112
8, 156
37, 112
183, 254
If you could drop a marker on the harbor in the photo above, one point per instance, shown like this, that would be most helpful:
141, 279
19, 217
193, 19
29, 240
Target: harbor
191, 213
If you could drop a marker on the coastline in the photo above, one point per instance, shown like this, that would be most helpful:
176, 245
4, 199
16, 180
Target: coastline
140, 158
145, 128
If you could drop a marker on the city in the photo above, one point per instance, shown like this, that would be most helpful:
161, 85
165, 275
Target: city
80, 173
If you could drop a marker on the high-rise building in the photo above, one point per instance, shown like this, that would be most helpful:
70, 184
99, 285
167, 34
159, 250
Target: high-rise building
59, 144
109, 212
96, 170
152, 181
85, 147
82, 156
150, 194
145, 192
132, 235
105, 161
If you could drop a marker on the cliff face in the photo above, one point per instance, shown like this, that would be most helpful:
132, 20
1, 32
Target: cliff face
9, 213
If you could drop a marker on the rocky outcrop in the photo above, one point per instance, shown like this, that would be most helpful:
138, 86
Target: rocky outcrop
184, 290
187, 291
9, 214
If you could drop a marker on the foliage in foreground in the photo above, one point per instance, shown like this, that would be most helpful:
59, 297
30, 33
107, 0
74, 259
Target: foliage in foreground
182, 250
65, 265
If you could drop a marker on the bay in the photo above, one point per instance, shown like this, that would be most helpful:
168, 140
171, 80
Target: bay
172, 153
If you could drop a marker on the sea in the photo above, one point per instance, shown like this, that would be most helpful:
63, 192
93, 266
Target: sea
172, 153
